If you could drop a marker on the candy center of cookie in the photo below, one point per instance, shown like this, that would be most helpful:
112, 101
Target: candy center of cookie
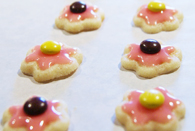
150, 46
34, 123
35, 106
153, 18
156, 6
151, 99
142, 115
50, 47
78, 7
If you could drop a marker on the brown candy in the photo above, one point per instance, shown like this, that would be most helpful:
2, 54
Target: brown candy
35, 106
150, 46
78, 7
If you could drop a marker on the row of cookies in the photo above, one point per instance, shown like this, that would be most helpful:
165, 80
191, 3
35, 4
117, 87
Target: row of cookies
54, 60
153, 110
152, 18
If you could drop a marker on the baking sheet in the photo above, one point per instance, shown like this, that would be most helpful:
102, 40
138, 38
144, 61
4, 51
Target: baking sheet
97, 87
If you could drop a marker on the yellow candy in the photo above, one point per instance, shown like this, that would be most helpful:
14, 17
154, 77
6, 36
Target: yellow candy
151, 99
50, 47
156, 6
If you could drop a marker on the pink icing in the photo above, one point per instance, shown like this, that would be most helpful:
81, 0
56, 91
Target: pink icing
90, 12
45, 61
150, 59
34, 123
141, 115
153, 18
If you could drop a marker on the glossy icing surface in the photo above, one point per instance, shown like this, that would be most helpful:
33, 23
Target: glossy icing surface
34, 123
150, 59
153, 18
141, 115
90, 12
45, 61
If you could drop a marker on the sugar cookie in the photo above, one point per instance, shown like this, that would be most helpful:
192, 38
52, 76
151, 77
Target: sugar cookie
150, 58
36, 114
156, 17
151, 110
51, 61
79, 17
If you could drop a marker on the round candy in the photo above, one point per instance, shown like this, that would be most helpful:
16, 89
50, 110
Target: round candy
156, 6
50, 47
35, 106
150, 46
151, 99
78, 7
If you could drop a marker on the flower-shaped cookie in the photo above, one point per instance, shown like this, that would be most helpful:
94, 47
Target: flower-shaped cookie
151, 110
156, 16
150, 58
79, 17
51, 61
36, 114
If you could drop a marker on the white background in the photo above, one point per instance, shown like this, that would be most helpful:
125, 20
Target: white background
97, 87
